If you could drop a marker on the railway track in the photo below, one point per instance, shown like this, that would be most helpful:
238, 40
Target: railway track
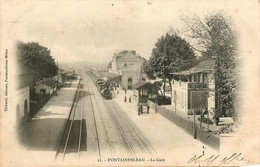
109, 130
136, 142
73, 134
74, 137
94, 119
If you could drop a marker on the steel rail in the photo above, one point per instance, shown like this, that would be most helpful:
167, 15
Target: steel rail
95, 123
100, 113
63, 131
134, 130
102, 99
81, 121
71, 123
122, 131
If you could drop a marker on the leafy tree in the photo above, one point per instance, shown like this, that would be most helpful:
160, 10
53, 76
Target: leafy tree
148, 69
170, 54
37, 58
216, 39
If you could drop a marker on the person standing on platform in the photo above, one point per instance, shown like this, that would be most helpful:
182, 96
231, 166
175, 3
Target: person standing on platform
148, 108
139, 110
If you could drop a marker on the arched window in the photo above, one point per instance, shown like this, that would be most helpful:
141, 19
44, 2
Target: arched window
130, 83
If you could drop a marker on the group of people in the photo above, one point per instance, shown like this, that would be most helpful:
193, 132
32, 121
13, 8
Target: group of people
140, 109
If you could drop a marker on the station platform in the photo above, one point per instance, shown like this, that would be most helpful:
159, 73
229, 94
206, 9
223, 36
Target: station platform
166, 137
43, 131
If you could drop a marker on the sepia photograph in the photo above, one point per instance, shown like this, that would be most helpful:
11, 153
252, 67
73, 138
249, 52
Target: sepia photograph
129, 83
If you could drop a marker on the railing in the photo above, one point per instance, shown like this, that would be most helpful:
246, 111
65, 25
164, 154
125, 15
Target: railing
197, 85
180, 84
190, 85
143, 99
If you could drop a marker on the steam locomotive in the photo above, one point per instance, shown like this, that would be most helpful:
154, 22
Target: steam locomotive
103, 88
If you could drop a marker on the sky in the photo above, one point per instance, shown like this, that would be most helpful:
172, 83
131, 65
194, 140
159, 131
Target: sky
94, 30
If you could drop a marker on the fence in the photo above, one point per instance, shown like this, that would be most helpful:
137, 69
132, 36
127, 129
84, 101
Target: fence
204, 136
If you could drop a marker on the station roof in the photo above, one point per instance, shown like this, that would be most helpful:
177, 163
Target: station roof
111, 75
139, 84
49, 82
189, 72
143, 84
205, 66
127, 57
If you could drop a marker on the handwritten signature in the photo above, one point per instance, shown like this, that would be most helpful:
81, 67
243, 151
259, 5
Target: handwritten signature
218, 159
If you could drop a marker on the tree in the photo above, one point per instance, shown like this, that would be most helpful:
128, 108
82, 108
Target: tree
170, 54
216, 39
37, 58
109, 65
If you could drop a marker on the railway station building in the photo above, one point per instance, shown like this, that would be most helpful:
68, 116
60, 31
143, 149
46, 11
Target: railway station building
128, 66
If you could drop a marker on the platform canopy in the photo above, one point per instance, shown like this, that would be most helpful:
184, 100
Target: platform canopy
49, 82
110, 74
111, 77
145, 85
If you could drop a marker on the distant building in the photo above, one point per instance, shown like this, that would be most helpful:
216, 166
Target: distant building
45, 89
61, 77
46, 86
194, 88
128, 65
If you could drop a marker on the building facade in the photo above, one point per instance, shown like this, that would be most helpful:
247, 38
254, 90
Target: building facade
194, 89
129, 66
24, 78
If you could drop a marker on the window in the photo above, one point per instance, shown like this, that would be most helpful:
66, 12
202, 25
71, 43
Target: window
190, 78
195, 78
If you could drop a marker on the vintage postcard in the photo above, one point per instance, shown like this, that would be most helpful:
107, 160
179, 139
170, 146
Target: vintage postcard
129, 83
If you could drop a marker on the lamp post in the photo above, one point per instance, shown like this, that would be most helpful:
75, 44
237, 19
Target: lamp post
194, 125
